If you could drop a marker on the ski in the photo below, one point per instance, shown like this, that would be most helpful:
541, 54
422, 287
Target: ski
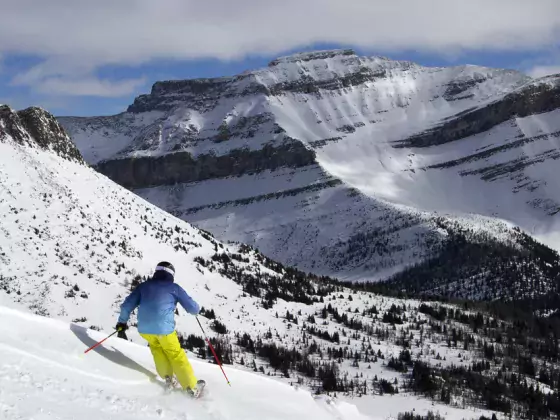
199, 390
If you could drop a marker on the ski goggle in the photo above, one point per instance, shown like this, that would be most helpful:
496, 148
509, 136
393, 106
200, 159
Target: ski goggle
166, 269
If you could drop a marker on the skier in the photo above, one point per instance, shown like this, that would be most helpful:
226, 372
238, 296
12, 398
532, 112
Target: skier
158, 299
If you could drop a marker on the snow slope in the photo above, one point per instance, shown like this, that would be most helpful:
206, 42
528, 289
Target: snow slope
45, 375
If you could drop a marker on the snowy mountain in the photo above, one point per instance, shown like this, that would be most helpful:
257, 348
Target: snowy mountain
336, 163
74, 243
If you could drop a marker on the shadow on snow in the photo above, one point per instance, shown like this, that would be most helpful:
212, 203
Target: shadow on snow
112, 354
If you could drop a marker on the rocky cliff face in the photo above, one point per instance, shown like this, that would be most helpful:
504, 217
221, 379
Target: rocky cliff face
38, 128
336, 163
182, 167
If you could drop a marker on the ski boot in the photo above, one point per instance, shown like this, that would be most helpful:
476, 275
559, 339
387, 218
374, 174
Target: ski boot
170, 383
196, 392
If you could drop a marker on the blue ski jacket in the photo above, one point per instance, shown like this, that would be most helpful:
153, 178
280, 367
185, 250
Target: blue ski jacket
157, 299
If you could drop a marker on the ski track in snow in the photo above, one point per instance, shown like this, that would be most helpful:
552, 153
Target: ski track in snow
56, 380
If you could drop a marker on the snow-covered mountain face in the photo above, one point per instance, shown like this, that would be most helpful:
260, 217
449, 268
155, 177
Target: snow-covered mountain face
335, 163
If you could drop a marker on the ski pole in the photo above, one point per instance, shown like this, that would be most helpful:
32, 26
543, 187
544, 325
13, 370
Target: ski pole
101, 342
213, 351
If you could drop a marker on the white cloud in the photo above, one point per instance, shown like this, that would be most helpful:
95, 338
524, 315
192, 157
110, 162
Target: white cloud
541, 71
135, 31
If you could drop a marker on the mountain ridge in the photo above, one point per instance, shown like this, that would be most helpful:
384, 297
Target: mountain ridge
354, 145
35, 126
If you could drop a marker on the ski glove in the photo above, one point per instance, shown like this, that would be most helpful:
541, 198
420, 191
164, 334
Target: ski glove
122, 334
121, 326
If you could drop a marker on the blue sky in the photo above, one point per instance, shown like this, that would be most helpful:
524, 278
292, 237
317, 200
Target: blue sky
93, 59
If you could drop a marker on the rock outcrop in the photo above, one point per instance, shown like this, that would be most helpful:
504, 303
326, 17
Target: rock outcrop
36, 127
182, 167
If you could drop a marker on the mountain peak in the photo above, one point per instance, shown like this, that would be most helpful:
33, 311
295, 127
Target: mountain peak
34, 126
314, 55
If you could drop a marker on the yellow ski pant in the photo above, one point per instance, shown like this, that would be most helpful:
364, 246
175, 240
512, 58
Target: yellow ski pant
170, 358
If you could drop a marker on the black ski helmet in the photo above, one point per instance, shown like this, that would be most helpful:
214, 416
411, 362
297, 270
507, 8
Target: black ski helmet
167, 267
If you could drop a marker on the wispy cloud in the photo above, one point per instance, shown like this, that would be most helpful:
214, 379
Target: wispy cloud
90, 87
541, 71
57, 76
544, 65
